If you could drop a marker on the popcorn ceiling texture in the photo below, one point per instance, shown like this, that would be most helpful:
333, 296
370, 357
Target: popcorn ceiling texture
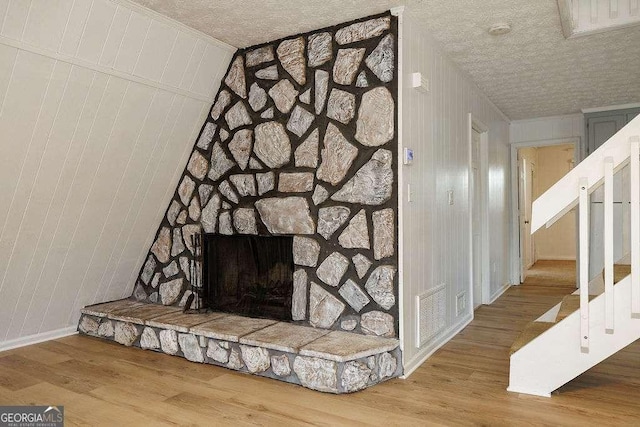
531, 72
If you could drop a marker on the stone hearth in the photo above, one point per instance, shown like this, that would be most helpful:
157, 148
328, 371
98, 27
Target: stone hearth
323, 360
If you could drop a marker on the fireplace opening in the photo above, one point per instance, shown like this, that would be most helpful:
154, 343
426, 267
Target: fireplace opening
248, 275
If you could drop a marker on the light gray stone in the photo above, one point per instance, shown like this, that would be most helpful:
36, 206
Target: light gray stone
154, 297
284, 95
381, 60
291, 56
206, 136
330, 219
217, 353
260, 55
182, 217
319, 49
306, 96
268, 73
375, 124
346, 65
362, 30
380, 286
257, 97
139, 293
295, 182
220, 163
177, 247
185, 190
149, 340
356, 234
227, 191
187, 232
299, 121
235, 361
185, 266
226, 227
245, 184
372, 184
205, 191
210, 214
362, 81
383, 233
125, 333
355, 376
280, 365
317, 374
305, 251
321, 87
235, 77
223, 135
191, 348
224, 98
244, 220
341, 106
267, 114
362, 264
240, 147
337, 156
353, 295
255, 164
255, 358
320, 194
299, 297
162, 246
306, 155
332, 269
266, 182
387, 365
272, 144
170, 291
171, 270
198, 165
149, 268
237, 116
169, 341
194, 209
377, 323
156, 280
173, 211
106, 329
289, 215
324, 308
349, 324
88, 325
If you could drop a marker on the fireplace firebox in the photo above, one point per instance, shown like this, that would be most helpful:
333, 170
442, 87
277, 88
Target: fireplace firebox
248, 275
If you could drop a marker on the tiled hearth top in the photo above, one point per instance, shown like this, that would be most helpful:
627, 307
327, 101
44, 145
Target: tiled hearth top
331, 345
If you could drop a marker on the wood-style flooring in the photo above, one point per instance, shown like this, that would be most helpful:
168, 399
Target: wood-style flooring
464, 383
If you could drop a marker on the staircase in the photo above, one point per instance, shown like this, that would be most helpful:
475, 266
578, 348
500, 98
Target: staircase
603, 315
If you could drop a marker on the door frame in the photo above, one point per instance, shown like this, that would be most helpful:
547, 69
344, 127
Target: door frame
515, 213
483, 209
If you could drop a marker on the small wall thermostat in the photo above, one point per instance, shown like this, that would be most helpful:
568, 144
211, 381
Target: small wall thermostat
408, 156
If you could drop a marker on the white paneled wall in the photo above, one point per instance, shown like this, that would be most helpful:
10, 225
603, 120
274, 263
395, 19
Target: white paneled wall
100, 104
547, 128
436, 234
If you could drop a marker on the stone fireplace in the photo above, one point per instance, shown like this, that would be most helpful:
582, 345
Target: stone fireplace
292, 182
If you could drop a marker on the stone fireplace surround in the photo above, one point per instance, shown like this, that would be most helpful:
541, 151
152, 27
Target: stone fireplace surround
300, 141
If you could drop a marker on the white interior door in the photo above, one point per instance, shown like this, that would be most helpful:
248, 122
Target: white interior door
526, 196
476, 222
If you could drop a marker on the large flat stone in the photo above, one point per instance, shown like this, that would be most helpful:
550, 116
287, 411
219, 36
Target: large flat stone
210, 214
230, 327
170, 291
206, 136
343, 346
198, 165
372, 184
317, 374
381, 60
346, 65
268, 73
305, 251
356, 234
341, 106
103, 309
260, 55
245, 184
380, 286
295, 182
377, 323
240, 147
353, 295
299, 296
299, 121
306, 155
288, 215
237, 116
330, 219
319, 49
235, 77
332, 269
272, 144
321, 88
182, 322
284, 95
244, 220
337, 156
220, 162
291, 56
363, 30
223, 101
383, 233
375, 124
126, 333
324, 308
162, 246
191, 348
141, 313
283, 337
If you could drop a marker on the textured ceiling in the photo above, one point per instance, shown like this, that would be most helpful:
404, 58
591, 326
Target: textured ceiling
531, 72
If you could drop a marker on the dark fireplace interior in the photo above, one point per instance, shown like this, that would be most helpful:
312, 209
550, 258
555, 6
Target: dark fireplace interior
249, 275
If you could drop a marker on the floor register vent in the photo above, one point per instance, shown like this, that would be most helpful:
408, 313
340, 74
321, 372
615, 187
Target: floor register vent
431, 307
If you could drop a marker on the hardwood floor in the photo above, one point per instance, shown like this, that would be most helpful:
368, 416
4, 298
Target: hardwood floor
464, 383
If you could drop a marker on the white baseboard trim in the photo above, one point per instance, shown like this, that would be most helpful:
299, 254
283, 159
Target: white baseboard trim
416, 361
557, 258
36, 338
499, 293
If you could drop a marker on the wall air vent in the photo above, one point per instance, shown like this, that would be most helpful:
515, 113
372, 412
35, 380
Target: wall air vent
431, 307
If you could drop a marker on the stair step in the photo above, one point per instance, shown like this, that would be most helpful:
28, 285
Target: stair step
533, 330
620, 271
570, 304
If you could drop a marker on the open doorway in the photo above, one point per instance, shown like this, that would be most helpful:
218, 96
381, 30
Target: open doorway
538, 168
